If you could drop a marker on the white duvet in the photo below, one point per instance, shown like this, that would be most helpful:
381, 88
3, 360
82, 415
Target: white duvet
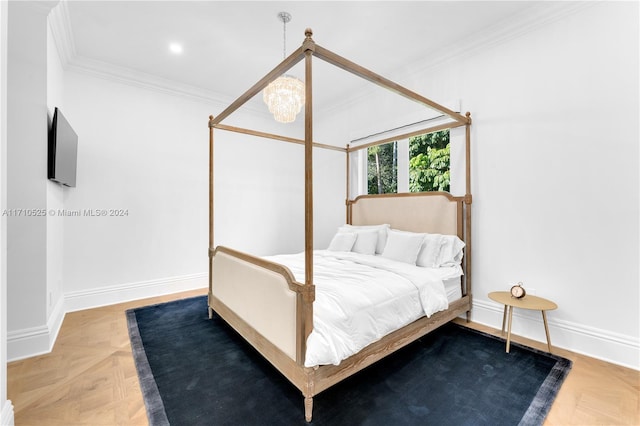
361, 298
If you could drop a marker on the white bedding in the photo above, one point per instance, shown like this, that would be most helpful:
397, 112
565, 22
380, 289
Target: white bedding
361, 298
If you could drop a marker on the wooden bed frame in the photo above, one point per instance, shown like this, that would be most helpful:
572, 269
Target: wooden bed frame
263, 301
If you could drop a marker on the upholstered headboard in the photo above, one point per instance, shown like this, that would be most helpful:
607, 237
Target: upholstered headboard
432, 212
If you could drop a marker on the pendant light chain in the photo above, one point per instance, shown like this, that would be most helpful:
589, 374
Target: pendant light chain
284, 17
285, 95
284, 38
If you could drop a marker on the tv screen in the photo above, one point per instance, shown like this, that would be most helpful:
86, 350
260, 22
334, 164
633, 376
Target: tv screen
63, 151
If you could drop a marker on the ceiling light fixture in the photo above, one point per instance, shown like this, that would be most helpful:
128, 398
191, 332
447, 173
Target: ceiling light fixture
175, 48
285, 95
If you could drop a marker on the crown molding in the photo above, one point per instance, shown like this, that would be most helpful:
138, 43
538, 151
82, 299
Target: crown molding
142, 80
39, 6
128, 76
539, 15
60, 25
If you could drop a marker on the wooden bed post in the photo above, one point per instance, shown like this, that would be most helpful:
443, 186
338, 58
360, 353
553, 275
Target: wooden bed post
348, 189
309, 294
211, 248
468, 200
308, 164
308, 184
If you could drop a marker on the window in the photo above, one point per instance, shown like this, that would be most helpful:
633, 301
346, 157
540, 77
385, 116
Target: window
428, 165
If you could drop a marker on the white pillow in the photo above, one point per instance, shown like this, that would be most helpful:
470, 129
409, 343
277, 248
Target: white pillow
429, 254
403, 246
451, 252
342, 241
382, 233
365, 242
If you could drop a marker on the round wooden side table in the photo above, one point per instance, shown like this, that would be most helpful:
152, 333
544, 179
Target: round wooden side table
528, 302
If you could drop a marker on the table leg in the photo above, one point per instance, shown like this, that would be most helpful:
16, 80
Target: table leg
509, 328
546, 329
504, 319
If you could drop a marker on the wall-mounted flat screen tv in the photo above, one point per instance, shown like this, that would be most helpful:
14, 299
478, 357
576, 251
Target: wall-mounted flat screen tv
63, 151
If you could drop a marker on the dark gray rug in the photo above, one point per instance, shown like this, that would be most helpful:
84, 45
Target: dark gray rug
196, 371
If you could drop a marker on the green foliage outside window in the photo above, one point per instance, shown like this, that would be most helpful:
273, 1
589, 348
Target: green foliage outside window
429, 160
382, 173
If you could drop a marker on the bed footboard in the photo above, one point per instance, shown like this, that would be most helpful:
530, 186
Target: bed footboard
262, 301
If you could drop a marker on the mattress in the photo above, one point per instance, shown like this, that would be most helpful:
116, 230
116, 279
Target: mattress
452, 287
362, 298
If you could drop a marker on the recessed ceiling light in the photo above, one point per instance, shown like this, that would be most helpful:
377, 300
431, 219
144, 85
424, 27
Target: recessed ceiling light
175, 48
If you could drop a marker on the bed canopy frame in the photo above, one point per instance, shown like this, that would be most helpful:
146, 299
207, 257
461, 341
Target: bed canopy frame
311, 381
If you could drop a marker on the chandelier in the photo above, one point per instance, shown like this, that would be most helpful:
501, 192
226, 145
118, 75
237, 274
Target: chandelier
285, 95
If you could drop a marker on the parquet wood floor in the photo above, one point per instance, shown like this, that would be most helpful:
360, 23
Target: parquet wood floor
90, 379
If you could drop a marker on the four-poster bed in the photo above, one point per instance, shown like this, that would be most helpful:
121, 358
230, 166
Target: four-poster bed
271, 307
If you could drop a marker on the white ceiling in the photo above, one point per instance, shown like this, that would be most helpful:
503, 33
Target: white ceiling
229, 45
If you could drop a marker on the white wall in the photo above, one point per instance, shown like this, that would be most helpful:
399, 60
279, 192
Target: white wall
26, 172
555, 174
142, 159
556, 181
33, 320
55, 197
260, 194
6, 407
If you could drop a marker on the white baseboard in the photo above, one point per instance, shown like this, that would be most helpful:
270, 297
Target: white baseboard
33, 341
6, 415
103, 296
39, 340
597, 343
